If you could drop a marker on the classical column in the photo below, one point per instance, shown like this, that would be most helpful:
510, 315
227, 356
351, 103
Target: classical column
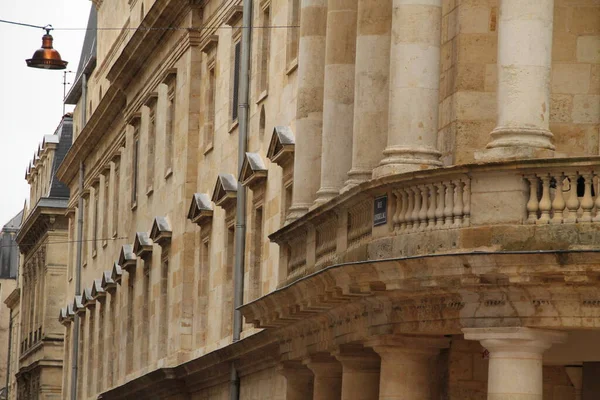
338, 103
328, 377
371, 90
414, 87
408, 366
360, 373
309, 113
524, 64
515, 366
299, 380
575, 374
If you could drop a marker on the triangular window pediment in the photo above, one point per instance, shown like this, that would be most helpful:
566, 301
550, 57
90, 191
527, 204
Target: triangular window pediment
161, 231
201, 209
253, 170
281, 147
225, 192
142, 245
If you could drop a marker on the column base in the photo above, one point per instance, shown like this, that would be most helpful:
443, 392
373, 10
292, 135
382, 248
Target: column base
517, 143
356, 177
401, 160
296, 211
324, 195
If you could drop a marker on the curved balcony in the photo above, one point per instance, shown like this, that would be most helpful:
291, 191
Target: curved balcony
533, 205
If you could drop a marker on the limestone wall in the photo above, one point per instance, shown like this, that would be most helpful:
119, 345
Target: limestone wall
469, 77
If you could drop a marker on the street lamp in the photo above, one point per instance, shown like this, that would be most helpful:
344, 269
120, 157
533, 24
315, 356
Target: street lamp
46, 57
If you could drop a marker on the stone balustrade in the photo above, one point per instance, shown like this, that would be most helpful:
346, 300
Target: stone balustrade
563, 196
435, 205
462, 208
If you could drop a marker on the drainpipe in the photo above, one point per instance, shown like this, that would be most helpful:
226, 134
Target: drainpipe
76, 321
10, 328
240, 224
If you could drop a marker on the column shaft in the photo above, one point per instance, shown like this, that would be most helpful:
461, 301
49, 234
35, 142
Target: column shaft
371, 92
360, 374
414, 87
338, 104
408, 366
328, 377
524, 65
299, 381
515, 366
309, 113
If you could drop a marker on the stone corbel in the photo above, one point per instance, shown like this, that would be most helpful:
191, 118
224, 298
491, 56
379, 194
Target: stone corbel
209, 44
234, 15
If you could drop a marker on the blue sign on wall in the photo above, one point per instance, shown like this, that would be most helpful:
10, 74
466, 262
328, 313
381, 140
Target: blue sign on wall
380, 211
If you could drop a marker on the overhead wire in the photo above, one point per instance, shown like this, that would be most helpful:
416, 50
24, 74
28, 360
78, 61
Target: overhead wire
167, 28
63, 242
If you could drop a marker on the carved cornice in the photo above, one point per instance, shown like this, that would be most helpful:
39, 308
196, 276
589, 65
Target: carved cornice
107, 112
437, 287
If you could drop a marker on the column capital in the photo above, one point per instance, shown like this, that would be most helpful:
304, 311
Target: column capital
515, 339
357, 358
393, 344
293, 369
323, 365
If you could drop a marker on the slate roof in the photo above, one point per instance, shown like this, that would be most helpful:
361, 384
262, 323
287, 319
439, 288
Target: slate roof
64, 133
14, 223
87, 60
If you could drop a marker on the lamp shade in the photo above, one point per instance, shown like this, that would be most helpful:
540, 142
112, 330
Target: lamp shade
46, 57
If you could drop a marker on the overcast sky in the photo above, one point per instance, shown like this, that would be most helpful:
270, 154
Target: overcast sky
31, 99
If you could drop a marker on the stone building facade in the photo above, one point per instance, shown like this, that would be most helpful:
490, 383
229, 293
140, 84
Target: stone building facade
422, 209
36, 345
9, 267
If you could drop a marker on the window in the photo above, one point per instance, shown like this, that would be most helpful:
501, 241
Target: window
288, 193
111, 367
150, 156
105, 212
134, 168
164, 306
91, 346
256, 271
84, 236
147, 294
265, 49
209, 126
82, 348
293, 33
95, 220
227, 312
202, 280
72, 239
262, 123
115, 212
236, 80
130, 323
100, 356
170, 128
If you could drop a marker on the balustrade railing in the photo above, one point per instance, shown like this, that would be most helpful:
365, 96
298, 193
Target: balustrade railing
563, 197
437, 205
554, 191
